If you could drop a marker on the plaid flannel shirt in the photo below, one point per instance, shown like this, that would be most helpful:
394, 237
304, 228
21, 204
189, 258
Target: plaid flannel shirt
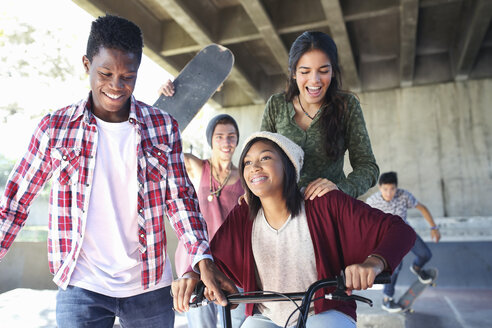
64, 146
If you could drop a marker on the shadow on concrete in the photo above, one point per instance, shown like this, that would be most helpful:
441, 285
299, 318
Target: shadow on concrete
419, 320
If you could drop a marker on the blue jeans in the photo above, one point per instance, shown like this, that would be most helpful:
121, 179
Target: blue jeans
206, 316
78, 307
422, 256
327, 319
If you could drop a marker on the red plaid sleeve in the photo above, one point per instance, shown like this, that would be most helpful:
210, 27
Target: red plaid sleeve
26, 180
182, 203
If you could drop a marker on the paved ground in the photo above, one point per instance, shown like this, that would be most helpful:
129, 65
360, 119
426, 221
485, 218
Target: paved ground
30, 308
462, 298
435, 308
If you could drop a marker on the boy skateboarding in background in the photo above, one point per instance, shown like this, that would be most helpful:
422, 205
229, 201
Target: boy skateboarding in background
391, 199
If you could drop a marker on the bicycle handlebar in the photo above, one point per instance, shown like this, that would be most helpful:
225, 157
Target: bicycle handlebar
260, 296
383, 278
338, 294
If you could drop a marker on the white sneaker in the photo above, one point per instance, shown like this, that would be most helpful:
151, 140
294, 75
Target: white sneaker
390, 305
423, 276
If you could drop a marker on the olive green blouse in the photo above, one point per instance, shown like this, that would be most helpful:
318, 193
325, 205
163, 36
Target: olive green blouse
279, 117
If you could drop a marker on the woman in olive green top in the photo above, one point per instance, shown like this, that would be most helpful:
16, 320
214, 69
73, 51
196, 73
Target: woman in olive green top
323, 120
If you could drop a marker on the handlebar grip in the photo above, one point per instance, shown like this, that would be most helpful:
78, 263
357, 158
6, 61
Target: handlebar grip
383, 278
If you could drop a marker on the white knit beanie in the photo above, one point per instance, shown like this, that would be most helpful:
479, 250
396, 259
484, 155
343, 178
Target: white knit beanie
291, 149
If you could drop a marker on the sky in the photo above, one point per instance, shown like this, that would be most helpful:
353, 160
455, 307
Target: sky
37, 96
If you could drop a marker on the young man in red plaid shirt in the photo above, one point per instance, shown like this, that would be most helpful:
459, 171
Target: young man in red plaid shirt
117, 170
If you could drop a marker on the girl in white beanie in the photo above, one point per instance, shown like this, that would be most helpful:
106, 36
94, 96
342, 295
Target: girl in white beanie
279, 241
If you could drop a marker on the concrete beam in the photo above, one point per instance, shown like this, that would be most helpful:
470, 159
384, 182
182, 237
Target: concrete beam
187, 21
132, 10
238, 35
236, 26
198, 32
176, 41
474, 26
246, 86
408, 40
372, 14
258, 15
430, 3
334, 16
312, 26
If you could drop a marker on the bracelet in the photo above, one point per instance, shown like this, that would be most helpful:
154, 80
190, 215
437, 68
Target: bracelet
434, 227
385, 265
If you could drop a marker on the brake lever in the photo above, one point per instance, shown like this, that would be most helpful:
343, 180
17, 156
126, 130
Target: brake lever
339, 293
199, 299
346, 297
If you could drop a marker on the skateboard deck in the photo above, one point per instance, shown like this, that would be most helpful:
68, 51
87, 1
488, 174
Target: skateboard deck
197, 82
408, 298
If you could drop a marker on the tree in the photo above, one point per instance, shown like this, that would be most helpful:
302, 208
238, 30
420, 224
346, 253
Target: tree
33, 53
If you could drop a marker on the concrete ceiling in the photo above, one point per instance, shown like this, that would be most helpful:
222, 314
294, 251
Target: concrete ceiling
383, 44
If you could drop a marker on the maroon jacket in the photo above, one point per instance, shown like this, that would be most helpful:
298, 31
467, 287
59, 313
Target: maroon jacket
344, 231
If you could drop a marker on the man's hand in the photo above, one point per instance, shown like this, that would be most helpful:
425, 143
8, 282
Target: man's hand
361, 276
318, 188
242, 199
182, 289
167, 89
435, 235
215, 281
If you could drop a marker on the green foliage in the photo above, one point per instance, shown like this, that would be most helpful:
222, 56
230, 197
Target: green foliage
9, 110
34, 52
33, 58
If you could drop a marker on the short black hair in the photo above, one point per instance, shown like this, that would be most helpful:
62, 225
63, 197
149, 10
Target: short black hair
388, 178
291, 192
114, 32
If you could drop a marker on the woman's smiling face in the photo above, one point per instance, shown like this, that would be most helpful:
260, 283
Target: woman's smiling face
313, 76
263, 170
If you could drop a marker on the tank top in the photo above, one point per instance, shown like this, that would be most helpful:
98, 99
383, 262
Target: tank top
214, 212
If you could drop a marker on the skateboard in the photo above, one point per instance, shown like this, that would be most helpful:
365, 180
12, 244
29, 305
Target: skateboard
197, 82
408, 298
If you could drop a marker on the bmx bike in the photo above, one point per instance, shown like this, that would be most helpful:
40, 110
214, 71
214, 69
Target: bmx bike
306, 297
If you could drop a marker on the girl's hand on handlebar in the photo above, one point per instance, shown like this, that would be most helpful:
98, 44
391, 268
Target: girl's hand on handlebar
215, 282
182, 289
361, 276
167, 89
318, 188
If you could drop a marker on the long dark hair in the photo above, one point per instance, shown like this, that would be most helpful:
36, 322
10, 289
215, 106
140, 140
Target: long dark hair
290, 192
336, 106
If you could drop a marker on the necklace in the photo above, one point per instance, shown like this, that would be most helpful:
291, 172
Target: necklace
311, 117
213, 192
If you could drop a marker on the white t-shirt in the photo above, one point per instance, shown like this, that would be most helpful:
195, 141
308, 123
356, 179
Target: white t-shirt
109, 260
285, 262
